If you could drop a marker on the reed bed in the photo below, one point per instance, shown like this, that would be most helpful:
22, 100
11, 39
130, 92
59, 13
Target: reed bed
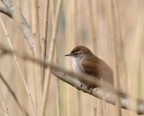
112, 29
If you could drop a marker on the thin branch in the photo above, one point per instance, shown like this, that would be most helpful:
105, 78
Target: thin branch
110, 97
21, 21
71, 78
13, 95
91, 80
5, 11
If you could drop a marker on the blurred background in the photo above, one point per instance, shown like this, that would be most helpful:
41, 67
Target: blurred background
92, 23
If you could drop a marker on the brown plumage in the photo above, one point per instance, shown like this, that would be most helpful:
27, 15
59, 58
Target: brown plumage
84, 61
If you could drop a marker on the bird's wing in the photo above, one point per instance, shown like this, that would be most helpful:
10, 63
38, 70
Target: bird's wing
88, 66
100, 70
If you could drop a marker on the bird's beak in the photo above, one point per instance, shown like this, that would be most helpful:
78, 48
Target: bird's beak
68, 55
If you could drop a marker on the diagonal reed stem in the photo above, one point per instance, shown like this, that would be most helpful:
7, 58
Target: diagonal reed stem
13, 95
19, 69
5, 109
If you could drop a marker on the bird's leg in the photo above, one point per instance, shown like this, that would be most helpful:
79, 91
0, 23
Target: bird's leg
83, 85
90, 89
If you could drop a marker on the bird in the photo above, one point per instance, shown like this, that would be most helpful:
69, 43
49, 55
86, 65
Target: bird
85, 62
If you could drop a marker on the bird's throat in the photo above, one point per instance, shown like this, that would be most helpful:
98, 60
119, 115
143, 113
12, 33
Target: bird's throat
76, 66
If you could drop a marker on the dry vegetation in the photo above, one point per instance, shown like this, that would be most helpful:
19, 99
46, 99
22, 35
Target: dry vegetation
112, 29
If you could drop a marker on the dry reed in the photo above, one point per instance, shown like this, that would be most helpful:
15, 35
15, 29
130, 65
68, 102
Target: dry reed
19, 68
82, 22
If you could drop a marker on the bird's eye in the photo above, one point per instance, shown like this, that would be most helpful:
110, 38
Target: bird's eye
75, 54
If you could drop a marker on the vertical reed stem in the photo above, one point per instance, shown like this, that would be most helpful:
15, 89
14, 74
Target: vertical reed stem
44, 38
37, 54
114, 31
51, 56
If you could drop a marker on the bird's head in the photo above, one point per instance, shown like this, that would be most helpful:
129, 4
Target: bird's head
79, 52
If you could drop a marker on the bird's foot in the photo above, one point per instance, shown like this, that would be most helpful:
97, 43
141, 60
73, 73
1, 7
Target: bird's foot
90, 89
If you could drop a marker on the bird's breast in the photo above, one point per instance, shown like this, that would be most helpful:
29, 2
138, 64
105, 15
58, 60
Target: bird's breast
76, 66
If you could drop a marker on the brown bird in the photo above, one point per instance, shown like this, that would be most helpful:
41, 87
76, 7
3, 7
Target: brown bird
85, 62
